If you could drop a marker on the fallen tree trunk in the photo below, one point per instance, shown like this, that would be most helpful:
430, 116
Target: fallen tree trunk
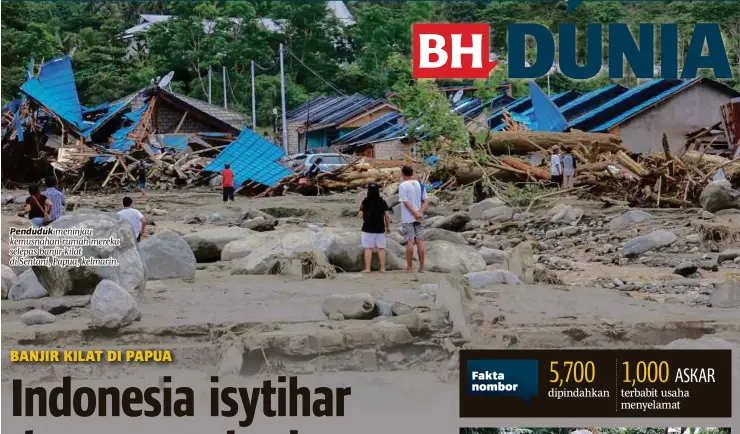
532, 141
533, 171
731, 167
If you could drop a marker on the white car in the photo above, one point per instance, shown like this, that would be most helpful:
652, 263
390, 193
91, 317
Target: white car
298, 162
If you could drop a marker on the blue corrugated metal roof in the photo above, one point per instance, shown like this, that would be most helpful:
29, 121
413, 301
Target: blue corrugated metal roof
591, 100
634, 110
626, 101
55, 89
523, 107
112, 112
253, 159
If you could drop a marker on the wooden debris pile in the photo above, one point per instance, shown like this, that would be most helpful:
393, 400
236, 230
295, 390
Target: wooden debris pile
356, 175
604, 168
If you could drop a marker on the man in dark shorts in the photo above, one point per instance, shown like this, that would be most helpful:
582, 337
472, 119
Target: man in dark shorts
141, 174
227, 183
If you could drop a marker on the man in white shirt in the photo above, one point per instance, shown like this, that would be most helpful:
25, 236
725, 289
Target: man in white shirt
133, 217
556, 168
413, 205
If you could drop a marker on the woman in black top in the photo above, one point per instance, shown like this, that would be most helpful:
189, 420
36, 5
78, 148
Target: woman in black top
38, 207
376, 223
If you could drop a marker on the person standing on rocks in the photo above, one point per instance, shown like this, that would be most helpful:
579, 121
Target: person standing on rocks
227, 183
38, 207
56, 197
376, 224
569, 169
556, 168
133, 217
413, 206
141, 175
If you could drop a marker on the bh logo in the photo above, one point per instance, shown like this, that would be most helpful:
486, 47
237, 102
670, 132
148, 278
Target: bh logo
451, 51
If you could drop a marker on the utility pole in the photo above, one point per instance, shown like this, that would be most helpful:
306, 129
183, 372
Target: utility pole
226, 106
254, 101
209, 84
282, 95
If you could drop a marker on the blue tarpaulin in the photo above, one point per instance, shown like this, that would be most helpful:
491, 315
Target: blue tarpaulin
55, 89
253, 159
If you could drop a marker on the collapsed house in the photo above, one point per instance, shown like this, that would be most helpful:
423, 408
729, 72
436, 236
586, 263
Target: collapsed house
47, 132
320, 121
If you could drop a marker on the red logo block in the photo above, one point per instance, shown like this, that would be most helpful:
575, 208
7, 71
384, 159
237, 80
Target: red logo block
452, 51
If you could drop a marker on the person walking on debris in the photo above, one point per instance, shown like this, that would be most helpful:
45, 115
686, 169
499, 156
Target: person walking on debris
227, 183
38, 207
413, 206
133, 217
141, 175
556, 168
569, 169
376, 224
56, 197
314, 169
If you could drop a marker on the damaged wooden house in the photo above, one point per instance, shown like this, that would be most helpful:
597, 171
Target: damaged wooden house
47, 132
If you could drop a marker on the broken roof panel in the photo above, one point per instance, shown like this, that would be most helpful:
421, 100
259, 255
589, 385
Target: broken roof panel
55, 89
523, 107
179, 141
253, 159
591, 100
121, 142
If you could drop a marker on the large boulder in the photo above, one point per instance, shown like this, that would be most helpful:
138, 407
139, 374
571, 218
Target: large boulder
126, 268
455, 222
445, 257
728, 255
629, 218
726, 295
521, 262
476, 210
260, 224
37, 316
7, 223
652, 241
259, 252
562, 213
8, 279
167, 256
346, 252
350, 306
207, 245
454, 296
112, 307
27, 286
716, 197
481, 279
493, 256
436, 234
499, 214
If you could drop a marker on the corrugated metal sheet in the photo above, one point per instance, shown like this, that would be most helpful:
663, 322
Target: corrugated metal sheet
331, 110
621, 104
591, 100
178, 141
55, 89
253, 159
636, 109
523, 107
121, 142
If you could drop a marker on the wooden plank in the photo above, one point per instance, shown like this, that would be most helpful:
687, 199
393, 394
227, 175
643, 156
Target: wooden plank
123, 164
182, 121
111, 173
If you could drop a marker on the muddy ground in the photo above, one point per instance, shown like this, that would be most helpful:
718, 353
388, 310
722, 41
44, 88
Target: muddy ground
600, 299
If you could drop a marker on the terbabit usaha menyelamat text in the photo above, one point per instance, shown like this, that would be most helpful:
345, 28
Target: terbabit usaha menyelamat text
50, 356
